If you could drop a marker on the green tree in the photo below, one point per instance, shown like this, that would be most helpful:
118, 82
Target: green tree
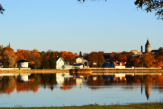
52, 61
156, 5
45, 62
1, 9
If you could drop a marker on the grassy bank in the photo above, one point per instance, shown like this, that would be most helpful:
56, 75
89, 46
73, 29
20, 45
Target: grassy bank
131, 106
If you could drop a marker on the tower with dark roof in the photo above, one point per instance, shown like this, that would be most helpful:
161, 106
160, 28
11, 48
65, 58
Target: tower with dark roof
147, 47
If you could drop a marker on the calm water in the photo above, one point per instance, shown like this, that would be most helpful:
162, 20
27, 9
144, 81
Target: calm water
62, 89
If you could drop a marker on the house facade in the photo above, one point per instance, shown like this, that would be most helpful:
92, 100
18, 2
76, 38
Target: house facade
59, 63
22, 63
121, 65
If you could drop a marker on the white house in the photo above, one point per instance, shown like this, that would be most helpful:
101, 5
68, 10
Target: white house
80, 60
23, 63
59, 63
121, 65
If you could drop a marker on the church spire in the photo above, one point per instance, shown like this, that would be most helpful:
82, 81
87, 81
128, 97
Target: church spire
147, 43
9, 44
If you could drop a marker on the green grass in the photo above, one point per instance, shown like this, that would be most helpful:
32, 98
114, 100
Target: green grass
130, 106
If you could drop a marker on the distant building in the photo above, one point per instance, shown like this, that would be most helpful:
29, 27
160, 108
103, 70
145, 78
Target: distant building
136, 53
22, 63
147, 47
59, 63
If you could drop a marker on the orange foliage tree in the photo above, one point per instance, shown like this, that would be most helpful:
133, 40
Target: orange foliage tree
9, 57
148, 60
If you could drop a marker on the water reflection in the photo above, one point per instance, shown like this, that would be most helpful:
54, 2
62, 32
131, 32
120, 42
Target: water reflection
65, 81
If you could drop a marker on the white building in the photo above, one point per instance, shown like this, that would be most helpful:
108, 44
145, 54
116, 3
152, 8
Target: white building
59, 63
80, 60
121, 65
23, 63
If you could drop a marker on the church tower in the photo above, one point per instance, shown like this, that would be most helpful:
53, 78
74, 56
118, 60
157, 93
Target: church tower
147, 47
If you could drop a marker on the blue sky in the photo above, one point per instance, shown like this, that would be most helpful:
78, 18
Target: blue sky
67, 25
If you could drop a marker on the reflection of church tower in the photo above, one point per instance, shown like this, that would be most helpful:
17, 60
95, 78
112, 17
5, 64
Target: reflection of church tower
147, 91
147, 47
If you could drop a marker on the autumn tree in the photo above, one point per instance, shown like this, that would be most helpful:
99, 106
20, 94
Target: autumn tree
36, 58
137, 62
92, 58
101, 59
148, 60
159, 57
122, 57
9, 57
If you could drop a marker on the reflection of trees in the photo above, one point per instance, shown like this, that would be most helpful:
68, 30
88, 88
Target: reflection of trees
32, 85
68, 83
48, 79
7, 85
96, 81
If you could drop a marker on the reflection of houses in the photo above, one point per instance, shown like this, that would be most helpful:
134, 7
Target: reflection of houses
79, 80
61, 77
85, 78
23, 78
59, 63
115, 77
23, 63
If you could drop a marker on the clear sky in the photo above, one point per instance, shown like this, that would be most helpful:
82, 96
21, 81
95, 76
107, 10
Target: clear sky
67, 25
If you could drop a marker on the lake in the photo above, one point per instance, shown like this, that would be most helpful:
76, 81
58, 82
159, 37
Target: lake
62, 89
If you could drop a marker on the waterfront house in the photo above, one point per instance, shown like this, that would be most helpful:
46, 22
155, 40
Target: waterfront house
120, 65
23, 63
59, 63
80, 60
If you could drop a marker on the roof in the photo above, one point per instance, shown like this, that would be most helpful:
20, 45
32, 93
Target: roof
122, 63
115, 63
56, 58
147, 43
23, 60
106, 64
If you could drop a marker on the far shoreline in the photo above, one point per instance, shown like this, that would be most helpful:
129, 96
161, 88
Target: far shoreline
94, 71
